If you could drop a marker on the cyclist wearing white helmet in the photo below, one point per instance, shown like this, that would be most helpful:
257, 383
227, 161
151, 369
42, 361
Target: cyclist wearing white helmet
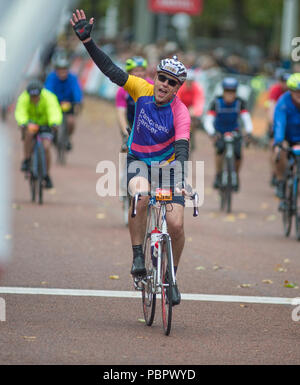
160, 134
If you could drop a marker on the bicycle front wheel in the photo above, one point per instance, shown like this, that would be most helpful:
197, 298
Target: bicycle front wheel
149, 292
166, 286
287, 213
297, 208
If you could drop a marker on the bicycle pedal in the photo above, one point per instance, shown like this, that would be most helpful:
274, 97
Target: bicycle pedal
138, 282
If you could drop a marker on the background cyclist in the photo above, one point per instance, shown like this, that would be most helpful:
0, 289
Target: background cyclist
275, 91
66, 87
40, 106
223, 116
192, 95
160, 133
286, 128
125, 105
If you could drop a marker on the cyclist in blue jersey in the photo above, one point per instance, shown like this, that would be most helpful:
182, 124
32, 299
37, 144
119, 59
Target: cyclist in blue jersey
66, 87
286, 128
223, 116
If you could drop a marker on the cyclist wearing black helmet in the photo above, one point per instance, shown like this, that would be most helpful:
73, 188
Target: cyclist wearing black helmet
223, 116
40, 106
66, 87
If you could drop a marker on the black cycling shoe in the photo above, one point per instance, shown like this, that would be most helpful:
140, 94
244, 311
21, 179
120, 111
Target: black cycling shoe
68, 146
138, 266
218, 181
176, 296
48, 182
25, 166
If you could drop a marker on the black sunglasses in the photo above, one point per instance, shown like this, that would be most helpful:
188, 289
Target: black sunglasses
163, 78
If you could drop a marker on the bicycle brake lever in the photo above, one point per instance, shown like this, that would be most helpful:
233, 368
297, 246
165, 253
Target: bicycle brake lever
134, 204
195, 198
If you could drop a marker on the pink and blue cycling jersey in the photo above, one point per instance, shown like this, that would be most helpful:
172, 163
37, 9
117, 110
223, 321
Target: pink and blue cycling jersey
124, 100
155, 128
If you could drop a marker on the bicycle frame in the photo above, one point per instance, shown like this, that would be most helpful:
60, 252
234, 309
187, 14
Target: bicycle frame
157, 218
38, 146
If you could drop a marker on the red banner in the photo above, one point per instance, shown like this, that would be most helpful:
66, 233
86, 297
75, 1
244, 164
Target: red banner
191, 7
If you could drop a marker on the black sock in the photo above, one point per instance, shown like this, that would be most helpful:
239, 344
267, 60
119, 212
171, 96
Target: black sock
137, 251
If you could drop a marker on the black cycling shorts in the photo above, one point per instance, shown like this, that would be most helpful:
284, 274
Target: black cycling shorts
237, 146
165, 181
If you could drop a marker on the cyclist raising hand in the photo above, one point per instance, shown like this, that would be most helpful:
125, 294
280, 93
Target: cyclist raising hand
160, 134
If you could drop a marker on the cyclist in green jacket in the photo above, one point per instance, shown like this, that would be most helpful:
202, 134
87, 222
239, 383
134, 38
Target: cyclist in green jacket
41, 107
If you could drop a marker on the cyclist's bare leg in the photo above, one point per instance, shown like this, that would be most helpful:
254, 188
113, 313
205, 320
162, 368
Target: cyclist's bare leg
28, 144
71, 124
176, 230
280, 166
238, 163
137, 225
219, 163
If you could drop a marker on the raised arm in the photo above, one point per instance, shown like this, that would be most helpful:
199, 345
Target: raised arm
83, 30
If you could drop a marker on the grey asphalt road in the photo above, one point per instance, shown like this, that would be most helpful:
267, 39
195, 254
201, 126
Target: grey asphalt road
77, 240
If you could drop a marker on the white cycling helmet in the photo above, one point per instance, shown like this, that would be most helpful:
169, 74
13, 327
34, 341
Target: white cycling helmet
173, 67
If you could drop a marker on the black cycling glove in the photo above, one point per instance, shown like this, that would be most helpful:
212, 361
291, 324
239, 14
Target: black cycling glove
83, 29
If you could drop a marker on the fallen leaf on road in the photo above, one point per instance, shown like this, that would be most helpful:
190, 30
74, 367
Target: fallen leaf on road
16, 206
242, 216
242, 305
189, 239
52, 191
101, 216
291, 285
217, 267
243, 285
264, 206
29, 338
280, 269
114, 277
267, 281
271, 218
141, 320
200, 268
229, 218
286, 260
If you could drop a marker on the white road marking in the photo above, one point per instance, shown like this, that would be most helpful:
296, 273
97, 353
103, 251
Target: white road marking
136, 294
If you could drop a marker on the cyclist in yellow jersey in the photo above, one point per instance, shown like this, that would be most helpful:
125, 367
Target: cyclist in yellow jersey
40, 106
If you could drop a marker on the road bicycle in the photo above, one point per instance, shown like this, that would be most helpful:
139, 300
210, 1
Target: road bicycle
157, 247
229, 177
290, 205
38, 169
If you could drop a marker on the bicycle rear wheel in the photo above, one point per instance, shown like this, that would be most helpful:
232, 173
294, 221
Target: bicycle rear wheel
287, 213
166, 290
148, 292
